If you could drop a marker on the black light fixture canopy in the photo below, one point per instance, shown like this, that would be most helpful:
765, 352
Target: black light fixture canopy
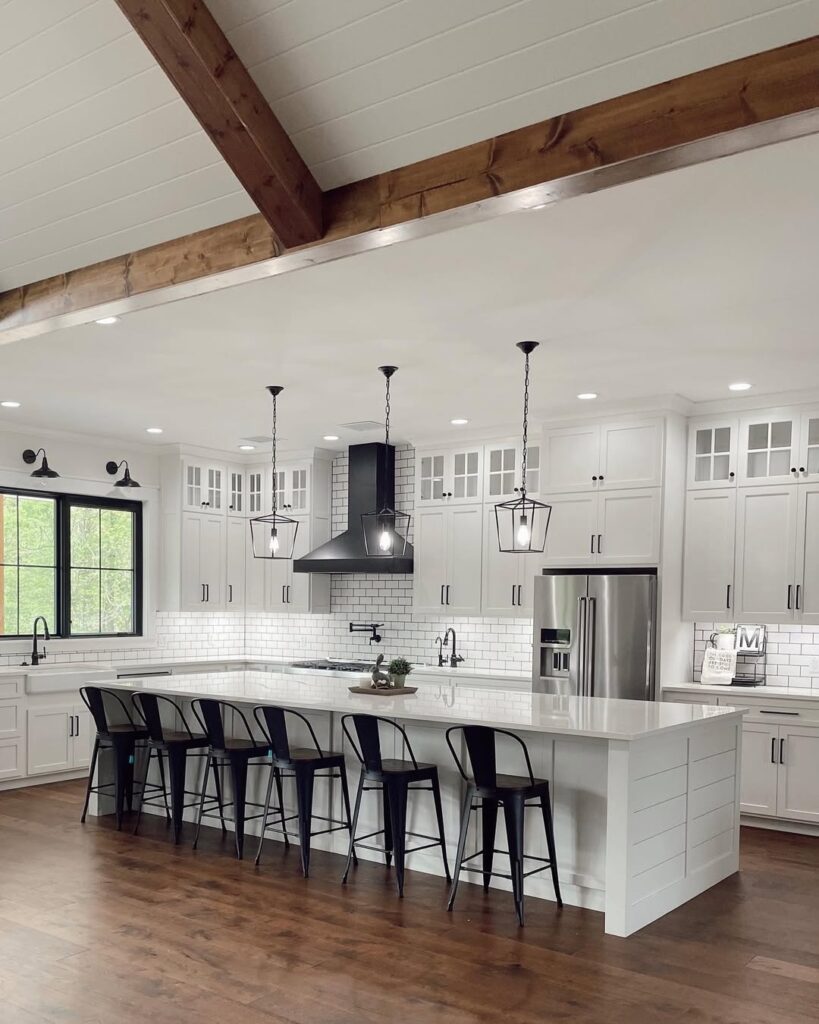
126, 480
385, 529
273, 535
523, 522
43, 470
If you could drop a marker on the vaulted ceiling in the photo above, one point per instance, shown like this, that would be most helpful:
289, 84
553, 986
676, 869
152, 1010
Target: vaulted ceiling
100, 156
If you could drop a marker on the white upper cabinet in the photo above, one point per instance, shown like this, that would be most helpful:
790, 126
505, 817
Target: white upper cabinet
502, 470
808, 461
766, 554
708, 564
237, 551
204, 487
572, 536
628, 527
617, 455
806, 598
255, 492
769, 448
712, 453
452, 476
236, 492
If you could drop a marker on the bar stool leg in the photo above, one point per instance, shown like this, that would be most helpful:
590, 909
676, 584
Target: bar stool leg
548, 822
304, 799
354, 826
164, 787
278, 776
211, 762
388, 837
489, 822
142, 783
439, 814
123, 752
177, 763
91, 771
217, 782
398, 791
265, 814
345, 793
513, 814
466, 813
238, 774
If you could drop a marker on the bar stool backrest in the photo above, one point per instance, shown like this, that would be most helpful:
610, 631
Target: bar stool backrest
210, 713
481, 747
272, 720
106, 706
367, 730
150, 711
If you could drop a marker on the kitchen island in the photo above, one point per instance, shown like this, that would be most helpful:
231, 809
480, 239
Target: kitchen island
645, 794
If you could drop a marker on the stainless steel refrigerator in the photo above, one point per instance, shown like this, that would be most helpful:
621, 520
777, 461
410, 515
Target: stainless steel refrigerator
594, 633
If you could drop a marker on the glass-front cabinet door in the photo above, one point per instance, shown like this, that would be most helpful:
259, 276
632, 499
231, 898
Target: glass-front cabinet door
465, 475
769, 448
449, 476
236, 498
502, 469
808, 467
430, 478
712, 453
255, 492
298, 489
203, 487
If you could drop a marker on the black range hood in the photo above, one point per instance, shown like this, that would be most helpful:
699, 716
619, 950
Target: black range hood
370, 486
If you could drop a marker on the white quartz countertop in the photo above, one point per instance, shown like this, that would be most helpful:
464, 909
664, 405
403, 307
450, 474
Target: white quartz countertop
581, 717
741, 693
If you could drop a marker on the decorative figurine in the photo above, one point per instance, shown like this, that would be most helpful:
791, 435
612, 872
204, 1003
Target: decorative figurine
381, 680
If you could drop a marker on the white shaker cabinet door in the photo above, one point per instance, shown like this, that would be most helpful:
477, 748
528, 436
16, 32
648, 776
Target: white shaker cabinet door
572, 536
766, 554
464, 547
807, 558
501, 573
212, 560
192, 584
631, 454
571, 458
760, 756
429, 577
238, 532
798, 751
50, 742
628, 527
708, 564
83, 739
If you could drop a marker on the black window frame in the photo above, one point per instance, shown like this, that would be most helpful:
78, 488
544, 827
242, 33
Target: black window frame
61, 630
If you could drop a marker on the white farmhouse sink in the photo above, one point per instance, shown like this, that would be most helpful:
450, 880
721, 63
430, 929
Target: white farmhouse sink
56, 678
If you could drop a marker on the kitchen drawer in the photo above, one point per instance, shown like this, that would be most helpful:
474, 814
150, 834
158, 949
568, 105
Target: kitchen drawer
11, 719
670, 697
11, 686
782, 712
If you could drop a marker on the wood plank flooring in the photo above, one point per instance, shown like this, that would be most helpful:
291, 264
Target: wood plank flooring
99, 926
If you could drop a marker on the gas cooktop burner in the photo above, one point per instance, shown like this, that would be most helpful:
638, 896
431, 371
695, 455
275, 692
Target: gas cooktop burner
325, 665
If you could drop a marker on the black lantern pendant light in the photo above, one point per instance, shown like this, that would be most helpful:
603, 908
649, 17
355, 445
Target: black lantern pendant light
522, 523
274, 535
126, 480
385, 530
43, 470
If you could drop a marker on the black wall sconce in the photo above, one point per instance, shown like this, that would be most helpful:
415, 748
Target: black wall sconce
44, 470
126, 480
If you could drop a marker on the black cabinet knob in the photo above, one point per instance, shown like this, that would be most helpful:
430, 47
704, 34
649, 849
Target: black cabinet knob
602, 477
801, 469
731, 475
793, 469
594, 478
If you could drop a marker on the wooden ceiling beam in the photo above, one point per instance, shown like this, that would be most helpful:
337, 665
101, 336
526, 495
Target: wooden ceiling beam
194, 53
732, 108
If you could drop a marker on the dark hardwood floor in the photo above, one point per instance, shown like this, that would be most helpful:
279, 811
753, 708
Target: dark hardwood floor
98, 926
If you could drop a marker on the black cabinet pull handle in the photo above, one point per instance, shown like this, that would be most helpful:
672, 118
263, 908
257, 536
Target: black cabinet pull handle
792, 714
230, 593
447, 593
798, 594
78, 725
728, 596
592, 544
442, 592
203, 591
773, 749
283, 597
600, 540
781, 751
790, 595
513, 594
520, 595
207, 592
288, 593
70, 725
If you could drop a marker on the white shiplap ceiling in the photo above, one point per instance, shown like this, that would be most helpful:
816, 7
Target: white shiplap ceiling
98, 155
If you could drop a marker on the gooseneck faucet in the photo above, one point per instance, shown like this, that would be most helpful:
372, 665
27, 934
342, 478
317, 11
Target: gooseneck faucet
36, 655
454, 658
440, 641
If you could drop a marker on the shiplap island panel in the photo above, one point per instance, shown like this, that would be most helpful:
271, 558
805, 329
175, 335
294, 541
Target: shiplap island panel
645, 794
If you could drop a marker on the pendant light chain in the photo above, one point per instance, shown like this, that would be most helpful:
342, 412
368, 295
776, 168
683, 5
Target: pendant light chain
525, 426
275, 478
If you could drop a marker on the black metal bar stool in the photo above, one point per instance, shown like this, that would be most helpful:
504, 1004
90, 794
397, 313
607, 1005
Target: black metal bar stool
303, 765
175, 744
234, 752
123, 737
395, 778
512, 792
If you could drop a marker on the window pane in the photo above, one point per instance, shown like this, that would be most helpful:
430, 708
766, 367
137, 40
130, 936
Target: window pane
758, 436
781, 434
8, 535
758, 464
117, 539
8, 596
460, 463
702, 468
780, 463
85, 601
721, 467
37, 531
85, 537
813, 431
37, 597
116, 602
703, 442
722, 439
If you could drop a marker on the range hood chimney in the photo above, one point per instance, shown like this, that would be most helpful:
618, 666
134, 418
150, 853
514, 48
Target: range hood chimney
370, 485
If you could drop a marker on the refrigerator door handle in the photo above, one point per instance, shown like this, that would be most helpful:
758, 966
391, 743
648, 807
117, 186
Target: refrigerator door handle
581, 643
591, 625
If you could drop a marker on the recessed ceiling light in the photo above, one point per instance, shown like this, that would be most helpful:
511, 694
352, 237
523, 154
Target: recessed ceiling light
10, 405
106, 320
331, 437
740, 385
153, 430
247, 447
587, 396
459, 423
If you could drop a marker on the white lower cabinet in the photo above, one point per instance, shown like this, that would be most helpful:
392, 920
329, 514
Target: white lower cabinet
619, 527
798, 776
12, 758
448, 548
60, 738
759, 769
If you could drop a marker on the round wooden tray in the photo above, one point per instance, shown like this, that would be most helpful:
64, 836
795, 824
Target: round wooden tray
384, 691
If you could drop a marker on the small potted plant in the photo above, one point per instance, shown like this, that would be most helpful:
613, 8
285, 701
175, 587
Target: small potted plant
399, 669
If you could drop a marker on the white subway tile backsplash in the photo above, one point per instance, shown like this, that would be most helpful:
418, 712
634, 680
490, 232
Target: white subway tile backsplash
791, 650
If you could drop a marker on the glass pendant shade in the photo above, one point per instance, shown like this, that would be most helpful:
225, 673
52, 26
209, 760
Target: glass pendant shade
273, 535
522, 524
385, 533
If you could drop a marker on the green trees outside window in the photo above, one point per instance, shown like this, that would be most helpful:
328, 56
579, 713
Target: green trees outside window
28, 562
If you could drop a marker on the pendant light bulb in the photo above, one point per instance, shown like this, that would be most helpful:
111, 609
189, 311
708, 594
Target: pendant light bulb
274, 540
524, 533
385, 539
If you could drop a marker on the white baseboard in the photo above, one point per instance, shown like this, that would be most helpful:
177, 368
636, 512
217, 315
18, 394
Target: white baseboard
801, 828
